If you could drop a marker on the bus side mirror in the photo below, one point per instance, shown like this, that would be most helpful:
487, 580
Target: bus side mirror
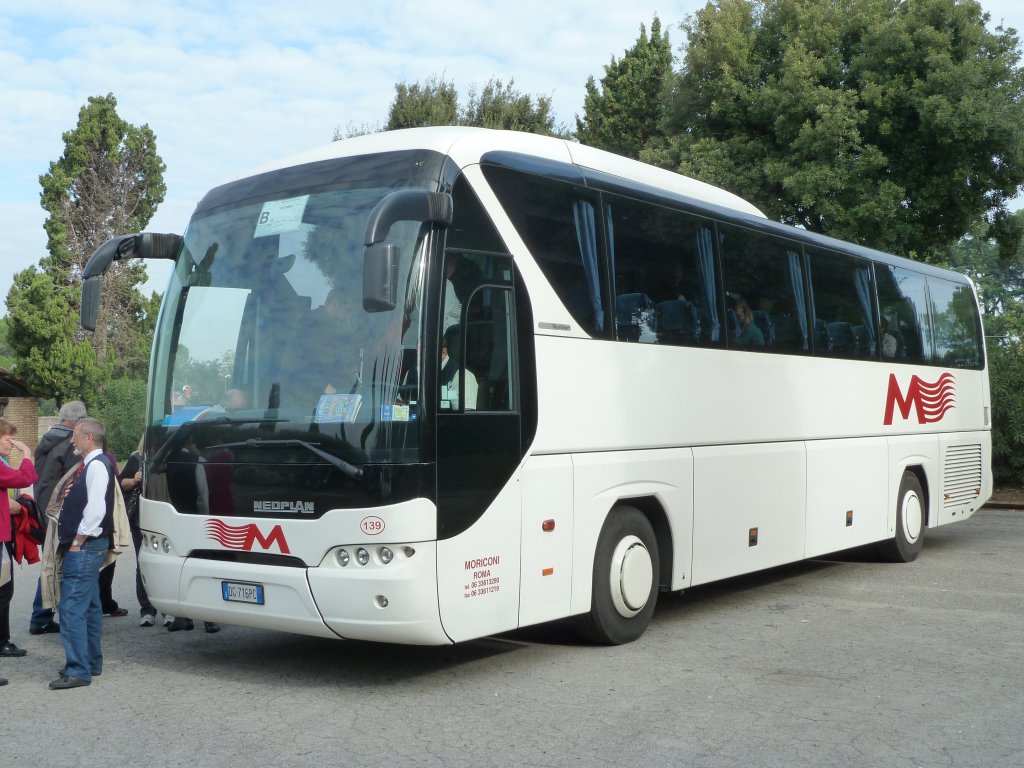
147, 245
380, 277
90, 308
380, 259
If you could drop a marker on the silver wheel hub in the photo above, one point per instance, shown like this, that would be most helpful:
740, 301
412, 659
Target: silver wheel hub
913, 517
632, 576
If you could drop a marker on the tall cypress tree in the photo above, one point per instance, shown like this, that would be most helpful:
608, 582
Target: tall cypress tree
626, 112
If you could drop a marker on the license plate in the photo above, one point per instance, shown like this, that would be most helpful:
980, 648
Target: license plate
240, 592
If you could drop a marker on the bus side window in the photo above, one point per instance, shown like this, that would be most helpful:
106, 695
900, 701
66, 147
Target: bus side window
958, 342
665, 288
477, 365
763, 277
558, 222
902, 295
844, 305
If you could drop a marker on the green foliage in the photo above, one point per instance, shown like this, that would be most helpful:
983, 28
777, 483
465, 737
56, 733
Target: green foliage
893, 124
50, 357
1006, 377
496, 105
999, 277
627, 112
108, 182
436, 102
121, 406
7, 357
500, 106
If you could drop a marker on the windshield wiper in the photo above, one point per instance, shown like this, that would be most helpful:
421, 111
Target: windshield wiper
348, 469
177, 439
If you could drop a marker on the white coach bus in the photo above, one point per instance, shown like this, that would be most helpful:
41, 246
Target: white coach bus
430, 385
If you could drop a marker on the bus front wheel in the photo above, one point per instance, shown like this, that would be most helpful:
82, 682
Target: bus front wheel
911, 513
625, 580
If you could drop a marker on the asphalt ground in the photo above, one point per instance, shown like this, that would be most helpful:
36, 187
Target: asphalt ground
837, 662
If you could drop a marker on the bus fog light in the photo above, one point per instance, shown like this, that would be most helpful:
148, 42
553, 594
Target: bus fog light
409, 551
165, 545
362, 556
343, 557
386, 555
382, 601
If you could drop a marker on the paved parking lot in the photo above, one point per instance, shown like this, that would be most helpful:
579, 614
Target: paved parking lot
841, 662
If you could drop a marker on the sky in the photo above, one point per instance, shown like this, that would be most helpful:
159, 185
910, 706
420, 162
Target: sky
227, 85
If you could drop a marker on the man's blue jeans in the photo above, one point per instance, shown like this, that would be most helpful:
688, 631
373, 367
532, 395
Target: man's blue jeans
81, 617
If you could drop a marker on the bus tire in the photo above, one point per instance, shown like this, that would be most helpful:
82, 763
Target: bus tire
911, 511
625, 580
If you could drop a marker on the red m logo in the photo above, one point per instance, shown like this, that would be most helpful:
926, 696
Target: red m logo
244, 536
929, 400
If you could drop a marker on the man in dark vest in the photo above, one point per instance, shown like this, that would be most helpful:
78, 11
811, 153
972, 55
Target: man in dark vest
85, 531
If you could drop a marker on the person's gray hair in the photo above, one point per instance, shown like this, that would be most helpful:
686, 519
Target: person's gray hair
94, 427
73, 411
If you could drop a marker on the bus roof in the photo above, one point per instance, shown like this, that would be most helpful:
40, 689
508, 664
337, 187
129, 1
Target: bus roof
466, 146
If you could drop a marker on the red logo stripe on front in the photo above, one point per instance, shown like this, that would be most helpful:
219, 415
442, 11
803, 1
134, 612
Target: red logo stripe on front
244, 536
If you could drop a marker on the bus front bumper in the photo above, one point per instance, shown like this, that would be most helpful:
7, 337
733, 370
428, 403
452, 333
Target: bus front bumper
394, 602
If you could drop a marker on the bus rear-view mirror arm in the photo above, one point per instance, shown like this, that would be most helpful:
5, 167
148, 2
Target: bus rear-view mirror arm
380, 259
146, 245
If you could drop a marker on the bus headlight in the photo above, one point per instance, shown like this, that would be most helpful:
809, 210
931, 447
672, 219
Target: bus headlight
165, 545
343, 557
362, 556
386, 555
154, 544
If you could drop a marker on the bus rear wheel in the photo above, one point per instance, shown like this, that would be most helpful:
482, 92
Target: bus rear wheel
625, 580
906, 545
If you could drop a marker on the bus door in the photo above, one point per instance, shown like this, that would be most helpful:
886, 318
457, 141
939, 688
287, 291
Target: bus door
479, 451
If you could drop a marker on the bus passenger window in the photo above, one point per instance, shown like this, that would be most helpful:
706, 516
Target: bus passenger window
902, 295
664, 267
763, 276
958, 341
844, 305
558, 223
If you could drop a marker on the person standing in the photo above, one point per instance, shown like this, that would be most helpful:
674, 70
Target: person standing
10, 477
85, 529
55, 455
131, 486
107, 601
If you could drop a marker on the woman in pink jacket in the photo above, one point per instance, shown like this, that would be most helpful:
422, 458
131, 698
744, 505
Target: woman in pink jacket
22, 477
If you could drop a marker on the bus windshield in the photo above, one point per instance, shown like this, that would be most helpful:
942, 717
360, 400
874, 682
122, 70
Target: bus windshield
263, 346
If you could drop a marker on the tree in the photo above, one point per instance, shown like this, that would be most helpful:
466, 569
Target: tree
496, 105
50, 357
120, 406
628, 110
999, 277
893, 124
108, 181
436, 102
7, 358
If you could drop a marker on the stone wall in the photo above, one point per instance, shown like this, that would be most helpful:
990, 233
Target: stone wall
24, 413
